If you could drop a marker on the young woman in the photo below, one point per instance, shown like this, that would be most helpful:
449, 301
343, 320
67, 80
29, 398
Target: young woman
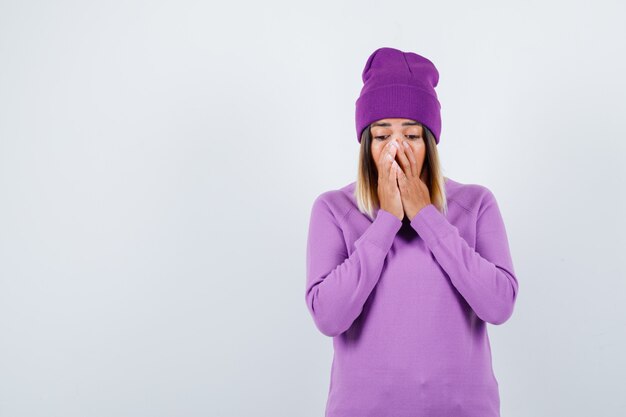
405, 267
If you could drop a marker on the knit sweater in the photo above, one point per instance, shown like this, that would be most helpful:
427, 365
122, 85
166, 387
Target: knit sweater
407, 303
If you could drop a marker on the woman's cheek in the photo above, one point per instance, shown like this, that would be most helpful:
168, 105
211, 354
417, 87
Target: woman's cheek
377, 158
417, 153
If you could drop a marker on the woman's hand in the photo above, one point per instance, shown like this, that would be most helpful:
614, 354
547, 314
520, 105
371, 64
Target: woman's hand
388, 191
413, 190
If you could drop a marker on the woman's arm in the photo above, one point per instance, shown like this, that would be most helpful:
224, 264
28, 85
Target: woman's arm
338, 285
484, 276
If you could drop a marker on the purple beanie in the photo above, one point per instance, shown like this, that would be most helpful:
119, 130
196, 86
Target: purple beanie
398, 84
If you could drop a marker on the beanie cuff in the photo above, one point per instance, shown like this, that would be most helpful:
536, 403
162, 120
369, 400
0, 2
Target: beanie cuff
398, 101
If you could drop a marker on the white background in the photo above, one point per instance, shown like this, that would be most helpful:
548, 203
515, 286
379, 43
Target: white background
158, 162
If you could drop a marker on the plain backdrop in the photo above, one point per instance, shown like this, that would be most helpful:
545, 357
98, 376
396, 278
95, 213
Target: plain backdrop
159, 160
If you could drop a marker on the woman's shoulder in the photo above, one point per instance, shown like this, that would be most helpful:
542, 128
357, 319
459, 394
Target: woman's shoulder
339, 201
341, 195
470, 196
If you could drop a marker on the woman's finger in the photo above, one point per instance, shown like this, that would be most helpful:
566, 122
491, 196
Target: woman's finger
404, 154
388, 154
391, 169
414, 170
401, 176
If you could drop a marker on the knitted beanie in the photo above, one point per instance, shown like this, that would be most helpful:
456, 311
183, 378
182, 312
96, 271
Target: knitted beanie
398, 84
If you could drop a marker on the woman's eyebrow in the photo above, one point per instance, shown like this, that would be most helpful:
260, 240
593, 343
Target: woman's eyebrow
389, 124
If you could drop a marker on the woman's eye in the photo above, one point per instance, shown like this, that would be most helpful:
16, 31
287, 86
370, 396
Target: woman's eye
386, 136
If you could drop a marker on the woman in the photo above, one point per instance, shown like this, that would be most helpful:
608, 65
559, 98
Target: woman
405, 267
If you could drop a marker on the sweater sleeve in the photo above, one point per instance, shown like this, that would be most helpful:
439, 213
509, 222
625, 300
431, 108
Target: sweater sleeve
337, 285
484, 276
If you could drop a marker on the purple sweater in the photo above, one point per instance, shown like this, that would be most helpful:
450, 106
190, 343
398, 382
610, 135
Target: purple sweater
407, 303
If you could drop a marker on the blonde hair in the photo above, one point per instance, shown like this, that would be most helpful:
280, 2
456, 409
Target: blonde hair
366, 189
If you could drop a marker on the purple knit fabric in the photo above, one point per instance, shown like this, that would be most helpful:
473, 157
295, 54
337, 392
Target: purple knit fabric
407, 303
398, 84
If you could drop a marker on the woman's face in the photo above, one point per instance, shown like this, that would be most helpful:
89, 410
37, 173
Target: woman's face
398, 130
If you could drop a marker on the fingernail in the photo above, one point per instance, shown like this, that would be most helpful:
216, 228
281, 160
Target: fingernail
406, 145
